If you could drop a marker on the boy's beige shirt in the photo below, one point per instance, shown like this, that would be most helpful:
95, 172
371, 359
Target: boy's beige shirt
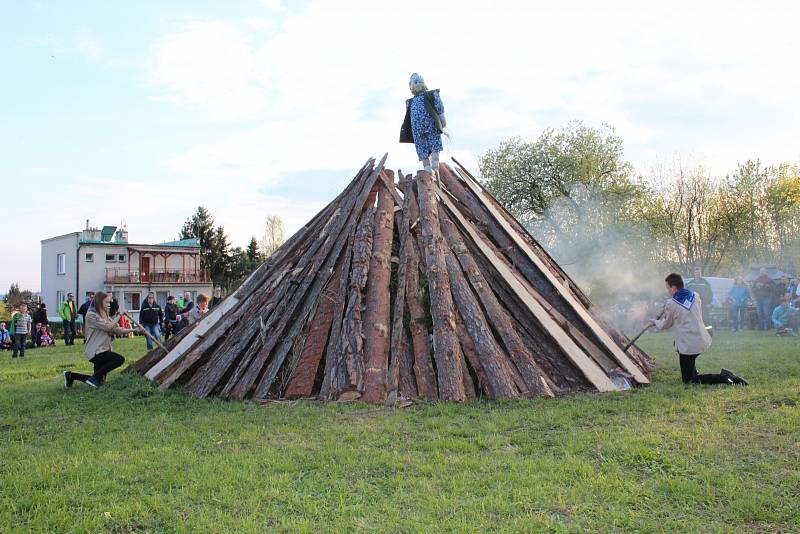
691, 336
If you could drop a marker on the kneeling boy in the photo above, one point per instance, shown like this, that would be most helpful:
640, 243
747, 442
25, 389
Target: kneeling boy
683, 313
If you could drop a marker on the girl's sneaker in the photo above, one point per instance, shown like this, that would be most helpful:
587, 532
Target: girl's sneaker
68, 380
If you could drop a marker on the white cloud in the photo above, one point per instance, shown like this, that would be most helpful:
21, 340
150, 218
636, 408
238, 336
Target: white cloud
89, 46
326, 88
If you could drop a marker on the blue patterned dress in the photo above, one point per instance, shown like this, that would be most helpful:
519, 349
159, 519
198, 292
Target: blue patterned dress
427, 138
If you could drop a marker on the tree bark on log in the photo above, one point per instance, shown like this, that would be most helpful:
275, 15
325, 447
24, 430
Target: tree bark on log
400, 362
317, 275
446, 348
378, 300
349, 378
501, 384
536, 380
301, 381
549, 284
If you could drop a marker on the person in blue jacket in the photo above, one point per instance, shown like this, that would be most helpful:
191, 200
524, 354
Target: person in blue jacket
784, 319
738, 297
424, 123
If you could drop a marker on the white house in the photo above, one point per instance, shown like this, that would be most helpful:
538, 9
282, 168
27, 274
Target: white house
103, 259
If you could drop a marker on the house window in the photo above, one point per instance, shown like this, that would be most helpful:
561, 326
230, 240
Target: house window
111, 258
90, 256
61, 296
131, 301
122, 258
62, 264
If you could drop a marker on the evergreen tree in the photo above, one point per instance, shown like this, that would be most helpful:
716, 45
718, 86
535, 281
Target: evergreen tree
219, 256
201, 226
253, 255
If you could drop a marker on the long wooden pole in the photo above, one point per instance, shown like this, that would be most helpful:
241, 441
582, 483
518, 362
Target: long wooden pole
145, 332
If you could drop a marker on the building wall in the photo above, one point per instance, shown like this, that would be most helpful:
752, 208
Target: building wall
93, 273
53, 282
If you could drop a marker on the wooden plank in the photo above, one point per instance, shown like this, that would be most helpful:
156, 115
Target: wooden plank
501, 383
446, 348
536, 380
563, 290
593, 372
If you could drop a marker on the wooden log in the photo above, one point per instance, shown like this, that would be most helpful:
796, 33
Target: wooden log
407, 385
349, 377
251, 364
472, 358
312, 287
588, 367
501, 383
250, 286
301, 381
378, 301
536, 380
495, 216
554, 267
424, 373
399, 348
331, 351
228, 326
446, 348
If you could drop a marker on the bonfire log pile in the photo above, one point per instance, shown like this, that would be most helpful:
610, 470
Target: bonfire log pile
421, 287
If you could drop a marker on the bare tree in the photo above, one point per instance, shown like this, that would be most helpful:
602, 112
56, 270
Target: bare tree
274, 235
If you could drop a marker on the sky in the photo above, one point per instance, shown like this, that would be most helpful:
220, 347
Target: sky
141, 111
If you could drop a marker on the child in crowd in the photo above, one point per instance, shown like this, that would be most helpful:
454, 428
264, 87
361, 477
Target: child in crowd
45, 339
6, 341
683, 313
20, 327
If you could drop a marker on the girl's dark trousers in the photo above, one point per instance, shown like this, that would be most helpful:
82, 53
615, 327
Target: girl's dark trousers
104, 363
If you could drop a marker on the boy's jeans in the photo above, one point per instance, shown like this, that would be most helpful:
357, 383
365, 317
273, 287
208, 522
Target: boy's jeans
153, 330
19, 344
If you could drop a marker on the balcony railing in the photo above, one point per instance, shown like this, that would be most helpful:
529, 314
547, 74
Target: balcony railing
169, 276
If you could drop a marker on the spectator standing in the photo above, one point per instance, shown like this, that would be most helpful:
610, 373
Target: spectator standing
6, 341
170, 318
197, 312
184, 310
150, 317
100, 331
762, 290
20, 325
792, 289
40, 315
700, 285
68, 312
216, 299
83, 310
738, 296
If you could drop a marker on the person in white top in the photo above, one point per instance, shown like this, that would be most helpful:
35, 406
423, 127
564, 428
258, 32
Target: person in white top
683, 313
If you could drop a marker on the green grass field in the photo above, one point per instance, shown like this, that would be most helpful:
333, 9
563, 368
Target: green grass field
129, 458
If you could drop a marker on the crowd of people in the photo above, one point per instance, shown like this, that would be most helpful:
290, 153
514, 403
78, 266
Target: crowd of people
31, 329
776, 302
